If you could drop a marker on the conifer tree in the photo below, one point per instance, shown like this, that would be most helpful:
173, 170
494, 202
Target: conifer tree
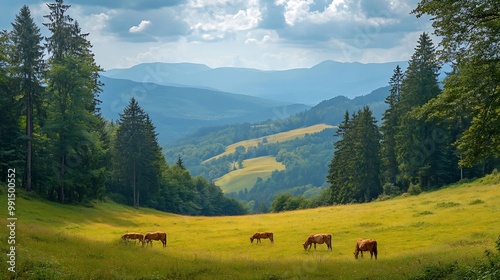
423, 147
27, 65
138, 159
389, 127
72, 121
339, 169
355, 168
10, 150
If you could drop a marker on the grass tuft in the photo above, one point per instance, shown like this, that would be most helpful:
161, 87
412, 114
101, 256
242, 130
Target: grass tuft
447, 204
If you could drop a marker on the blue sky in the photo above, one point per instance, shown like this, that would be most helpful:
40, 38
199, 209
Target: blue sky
262, 34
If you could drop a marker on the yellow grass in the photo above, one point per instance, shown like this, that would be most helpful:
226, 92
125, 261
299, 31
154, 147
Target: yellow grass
274, 138
71, 242
245, 177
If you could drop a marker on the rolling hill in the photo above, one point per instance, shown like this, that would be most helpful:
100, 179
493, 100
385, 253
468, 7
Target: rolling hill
55, 241
304, 85
245, 178
272, 138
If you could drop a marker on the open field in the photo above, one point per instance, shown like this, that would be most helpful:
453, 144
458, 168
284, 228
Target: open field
274, 138
56, 241
253, 168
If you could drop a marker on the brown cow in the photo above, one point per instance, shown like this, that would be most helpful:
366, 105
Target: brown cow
366, 245
158, 235
318, 238
133, 235
264, 235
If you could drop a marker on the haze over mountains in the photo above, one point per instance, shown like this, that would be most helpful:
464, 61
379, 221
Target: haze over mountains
183, 97
178, 111
304, 85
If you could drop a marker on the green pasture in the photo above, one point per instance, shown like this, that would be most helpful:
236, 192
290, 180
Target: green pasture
274, 138
246, 177
56, 241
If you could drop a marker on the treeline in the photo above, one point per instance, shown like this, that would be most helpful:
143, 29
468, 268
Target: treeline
53, 134
430, 136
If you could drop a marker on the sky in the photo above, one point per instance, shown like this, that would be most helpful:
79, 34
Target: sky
261, 34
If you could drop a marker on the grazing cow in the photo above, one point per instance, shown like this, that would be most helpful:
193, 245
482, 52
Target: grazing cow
264, 235
320, 239
133, 235
366, 245
158, 235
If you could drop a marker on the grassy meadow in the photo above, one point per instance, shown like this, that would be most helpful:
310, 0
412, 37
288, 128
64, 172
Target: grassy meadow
56, 241
274, 138
245, 177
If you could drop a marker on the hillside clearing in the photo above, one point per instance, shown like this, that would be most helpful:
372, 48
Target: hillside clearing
245, 177
55, 241
273, 138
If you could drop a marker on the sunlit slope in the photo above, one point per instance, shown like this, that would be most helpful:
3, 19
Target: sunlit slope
71, 242
278, 137
245, 177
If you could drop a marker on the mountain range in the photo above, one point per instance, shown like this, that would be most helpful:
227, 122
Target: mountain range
304, 85
181, 98
178, 110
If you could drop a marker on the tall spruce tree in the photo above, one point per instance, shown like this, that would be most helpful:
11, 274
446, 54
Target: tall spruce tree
73, 126
423, 146
390, 118
355, 168
339, 169
27, 65
10, 134
138, 159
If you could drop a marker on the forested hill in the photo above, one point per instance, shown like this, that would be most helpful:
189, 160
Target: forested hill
179, 110
306, 158
209, 141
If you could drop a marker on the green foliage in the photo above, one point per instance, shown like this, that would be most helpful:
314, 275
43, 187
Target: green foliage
471, 96
355, 168
10, 132
287, 202
391, 190
414, 189
390, 118
137, 155
26, 72
423, 146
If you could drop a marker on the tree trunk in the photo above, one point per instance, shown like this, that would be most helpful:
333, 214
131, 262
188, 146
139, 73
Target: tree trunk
29, 134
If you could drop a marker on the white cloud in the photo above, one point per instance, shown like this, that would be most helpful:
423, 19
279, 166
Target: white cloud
295, 10
141, 27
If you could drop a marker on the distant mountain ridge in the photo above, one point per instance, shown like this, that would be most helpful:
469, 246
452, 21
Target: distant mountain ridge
177, 111
303, 85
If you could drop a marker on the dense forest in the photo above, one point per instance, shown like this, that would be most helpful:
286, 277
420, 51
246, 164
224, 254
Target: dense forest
53, 134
